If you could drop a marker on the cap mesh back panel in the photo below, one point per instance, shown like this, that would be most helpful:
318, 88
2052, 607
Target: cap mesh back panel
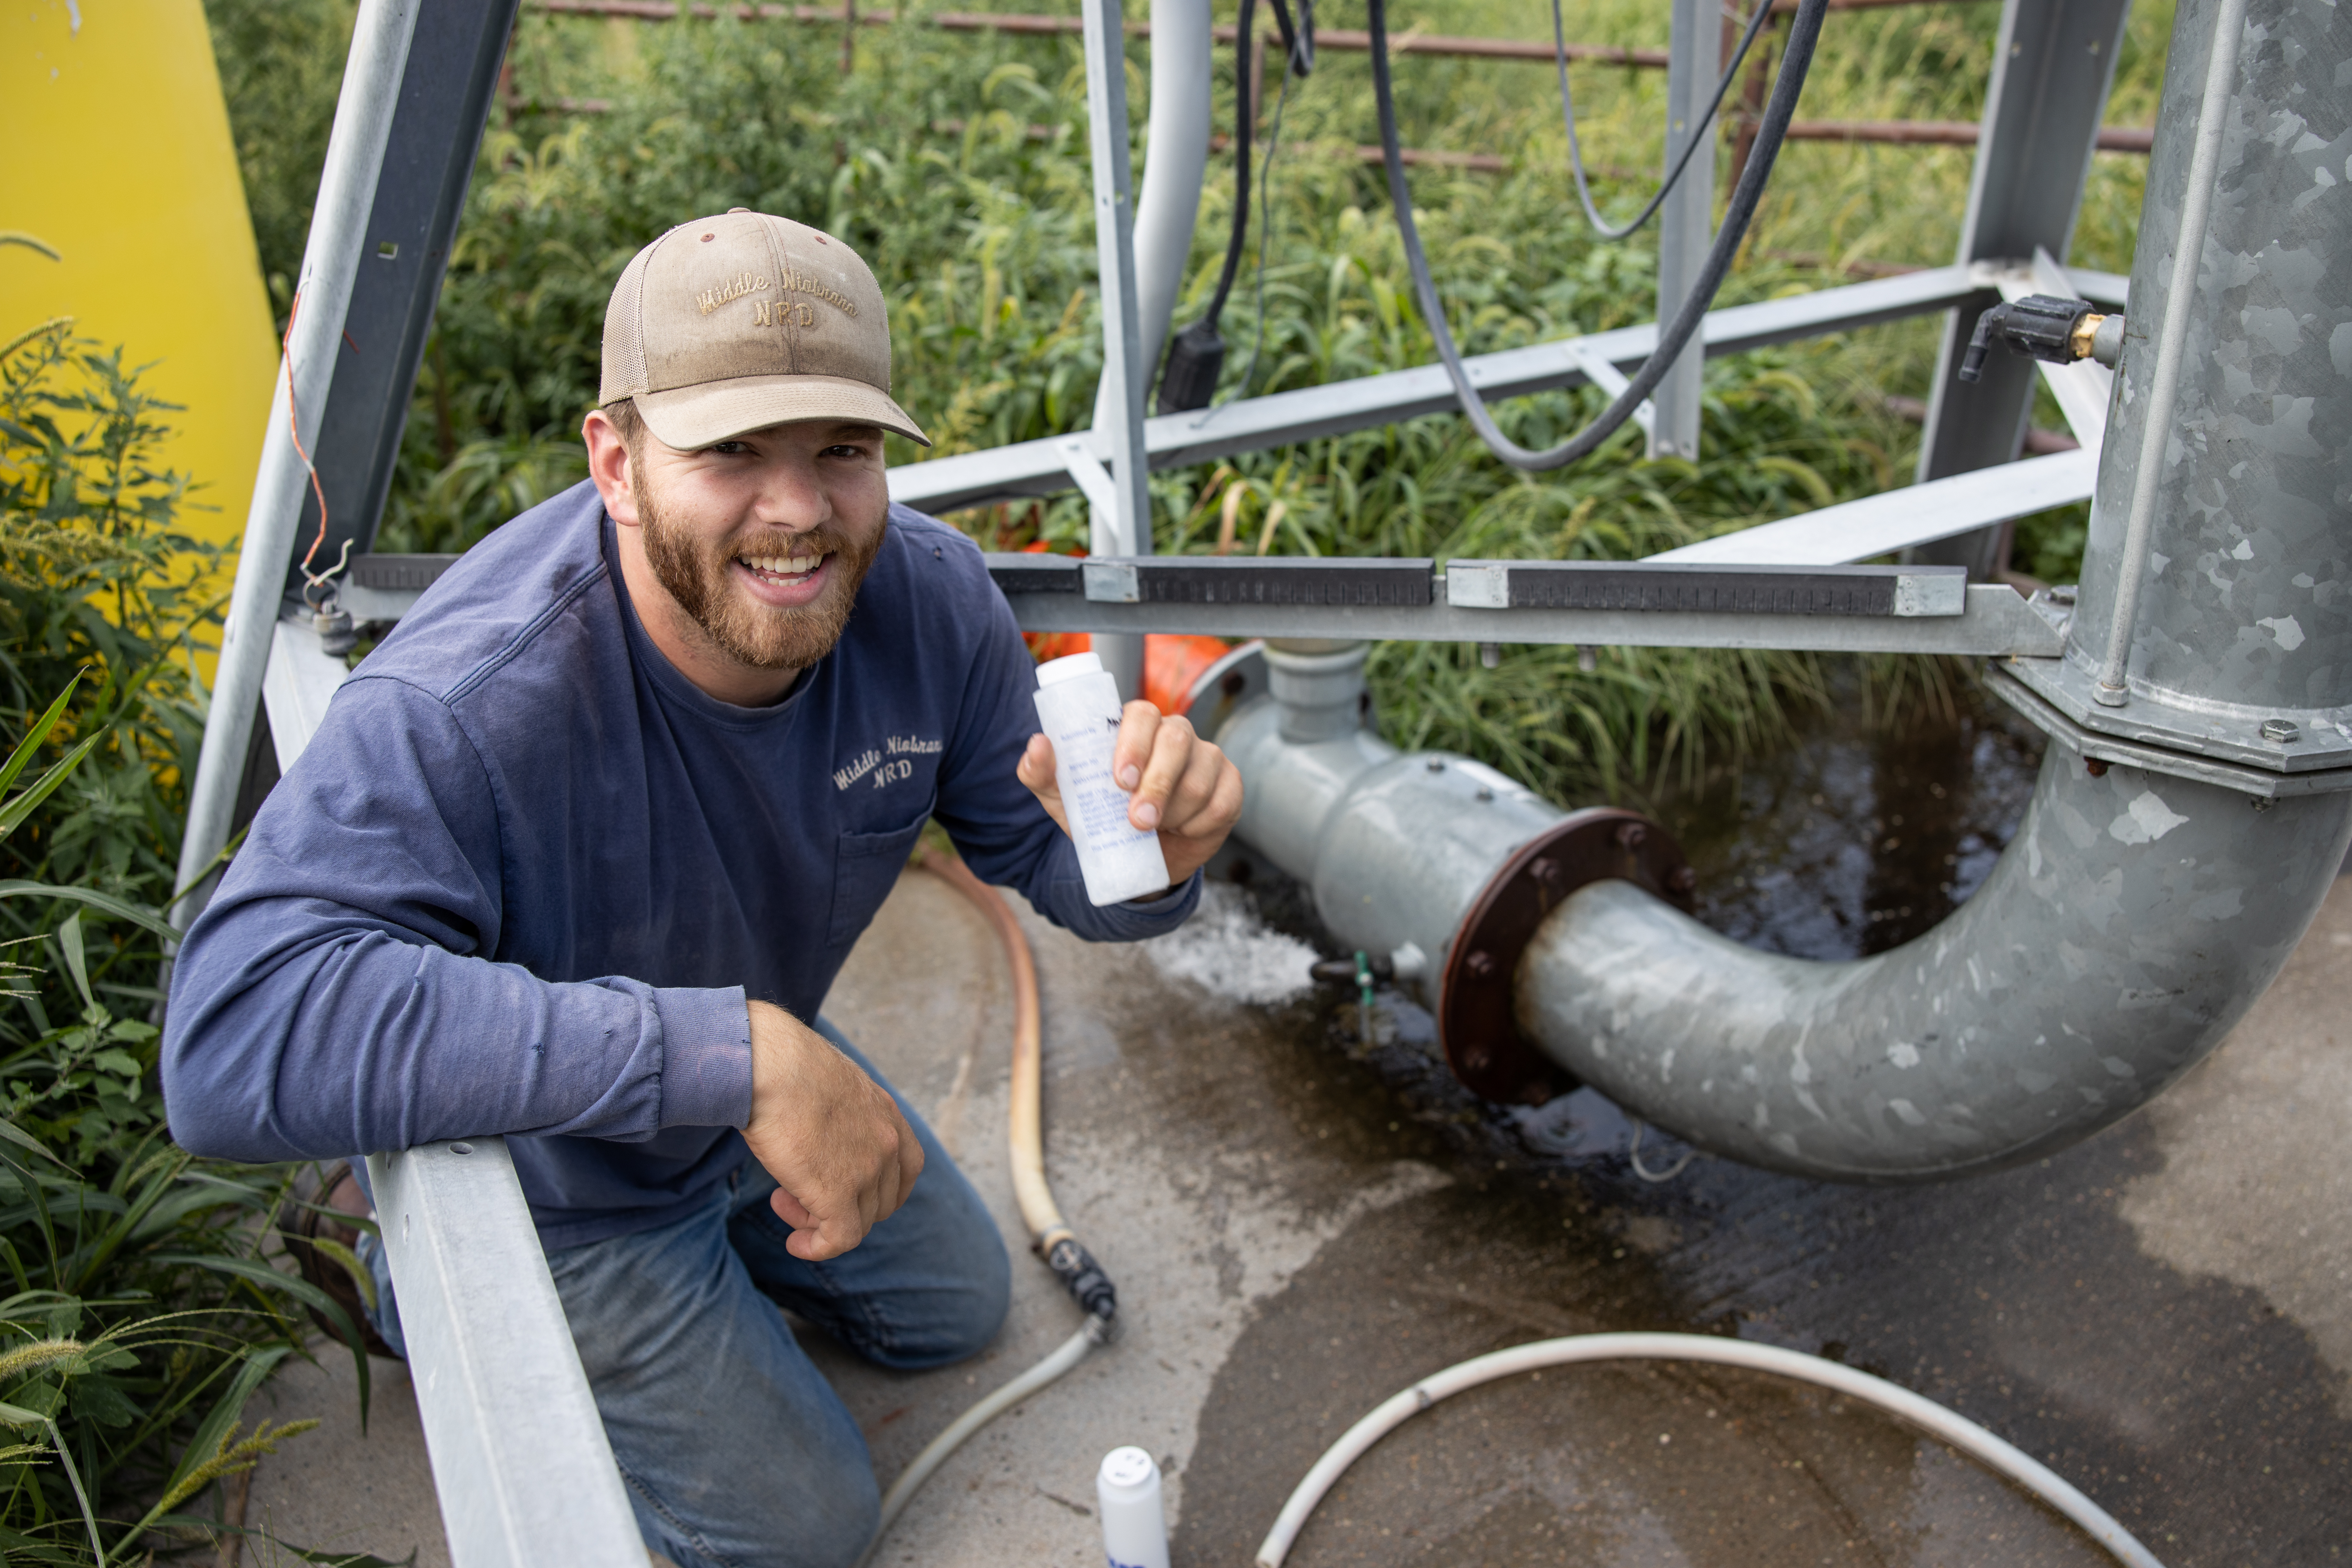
625, 332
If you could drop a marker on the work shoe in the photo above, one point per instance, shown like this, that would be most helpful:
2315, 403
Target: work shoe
302, 1221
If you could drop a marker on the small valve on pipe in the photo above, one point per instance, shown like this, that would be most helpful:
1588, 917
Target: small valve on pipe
2043, 327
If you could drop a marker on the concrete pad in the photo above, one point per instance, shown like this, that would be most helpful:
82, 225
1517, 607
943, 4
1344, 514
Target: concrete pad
1299, 1227
2252, 1190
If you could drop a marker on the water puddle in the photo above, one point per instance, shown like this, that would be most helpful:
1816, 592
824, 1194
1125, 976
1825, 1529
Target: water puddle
1859, 837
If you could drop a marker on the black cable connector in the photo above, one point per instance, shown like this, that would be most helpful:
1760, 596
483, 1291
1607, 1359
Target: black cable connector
1083, 1278
2040, 326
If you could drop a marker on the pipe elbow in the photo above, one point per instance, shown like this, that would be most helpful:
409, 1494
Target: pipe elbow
2130, 924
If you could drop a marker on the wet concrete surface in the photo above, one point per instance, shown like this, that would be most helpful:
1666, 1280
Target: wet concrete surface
1302, 1221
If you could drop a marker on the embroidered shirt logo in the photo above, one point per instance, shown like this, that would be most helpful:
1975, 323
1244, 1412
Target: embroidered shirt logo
886, 765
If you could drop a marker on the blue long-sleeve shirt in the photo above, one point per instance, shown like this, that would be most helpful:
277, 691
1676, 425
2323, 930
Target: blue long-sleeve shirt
526, 875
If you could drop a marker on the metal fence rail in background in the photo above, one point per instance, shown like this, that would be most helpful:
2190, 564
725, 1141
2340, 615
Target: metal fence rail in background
2137, 139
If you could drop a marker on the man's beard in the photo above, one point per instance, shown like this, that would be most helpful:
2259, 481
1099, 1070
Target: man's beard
765, 637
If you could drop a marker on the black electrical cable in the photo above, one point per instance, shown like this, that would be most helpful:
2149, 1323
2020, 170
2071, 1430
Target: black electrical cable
1299, 42
1265, 228
1804, 34
1197, 353
1698, 138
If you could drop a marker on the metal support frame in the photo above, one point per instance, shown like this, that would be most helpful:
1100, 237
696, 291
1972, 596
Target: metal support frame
381, 37
2051, 68
1686, 221
1025, 469
451, 73
1124, 527
520, 1462
1483, 601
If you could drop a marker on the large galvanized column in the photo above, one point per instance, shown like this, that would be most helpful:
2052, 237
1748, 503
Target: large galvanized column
1123, 528
2052, 66
1686, 221
2241, 641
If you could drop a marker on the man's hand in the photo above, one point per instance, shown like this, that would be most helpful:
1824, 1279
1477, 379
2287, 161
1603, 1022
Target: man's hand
842, 1156
1184, 788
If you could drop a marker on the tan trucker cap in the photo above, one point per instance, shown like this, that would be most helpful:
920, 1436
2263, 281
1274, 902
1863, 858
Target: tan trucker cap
732, 324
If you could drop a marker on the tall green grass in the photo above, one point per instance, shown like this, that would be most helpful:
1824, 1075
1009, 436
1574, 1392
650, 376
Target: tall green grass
956, 162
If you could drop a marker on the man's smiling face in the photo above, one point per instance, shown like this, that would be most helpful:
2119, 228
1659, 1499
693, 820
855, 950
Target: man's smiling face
760, 541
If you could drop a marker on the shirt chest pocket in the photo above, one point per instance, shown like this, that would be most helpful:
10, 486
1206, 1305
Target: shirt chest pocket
865, 868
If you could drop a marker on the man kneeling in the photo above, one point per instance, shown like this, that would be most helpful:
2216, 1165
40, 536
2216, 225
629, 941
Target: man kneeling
578, 851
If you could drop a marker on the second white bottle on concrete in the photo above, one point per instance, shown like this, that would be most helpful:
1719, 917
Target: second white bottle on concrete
1135, 1530
1078, 708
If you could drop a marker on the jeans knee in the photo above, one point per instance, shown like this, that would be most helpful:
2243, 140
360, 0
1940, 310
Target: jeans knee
992, 1301
970, 1302
822, 1516
850, 1523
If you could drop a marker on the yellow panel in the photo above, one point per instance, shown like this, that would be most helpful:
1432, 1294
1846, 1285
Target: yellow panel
120, 156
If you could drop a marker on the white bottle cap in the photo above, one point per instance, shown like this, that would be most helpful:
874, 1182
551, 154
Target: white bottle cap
1054, 671
1126, 1469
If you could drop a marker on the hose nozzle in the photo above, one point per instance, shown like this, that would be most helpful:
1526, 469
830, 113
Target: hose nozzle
2043, 327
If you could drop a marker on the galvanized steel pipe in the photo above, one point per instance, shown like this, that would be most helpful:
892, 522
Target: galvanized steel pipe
2136, 915
2130, 924
2240, 608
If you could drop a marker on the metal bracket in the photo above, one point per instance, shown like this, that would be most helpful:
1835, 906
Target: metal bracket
2012, 681
2170, 735
1692, 587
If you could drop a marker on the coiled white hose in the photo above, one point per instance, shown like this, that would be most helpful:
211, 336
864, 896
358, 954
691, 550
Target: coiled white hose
1950, 1427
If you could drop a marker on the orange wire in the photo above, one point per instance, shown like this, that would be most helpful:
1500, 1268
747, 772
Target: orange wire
294, 429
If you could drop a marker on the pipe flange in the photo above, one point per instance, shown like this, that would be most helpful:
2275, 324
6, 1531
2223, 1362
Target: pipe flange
1477, 1023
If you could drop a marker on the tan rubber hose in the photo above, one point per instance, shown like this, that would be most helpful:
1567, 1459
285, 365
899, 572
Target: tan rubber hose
1025, 1121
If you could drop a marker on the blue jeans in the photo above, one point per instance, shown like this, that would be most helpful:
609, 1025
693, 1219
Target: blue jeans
734, 1448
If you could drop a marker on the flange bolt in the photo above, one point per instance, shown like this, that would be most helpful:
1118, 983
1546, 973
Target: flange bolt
1630, 836
1481, 964
1682, 880
2281, 730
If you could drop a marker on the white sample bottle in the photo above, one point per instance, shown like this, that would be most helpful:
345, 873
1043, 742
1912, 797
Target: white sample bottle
1135, 1532
1078, 708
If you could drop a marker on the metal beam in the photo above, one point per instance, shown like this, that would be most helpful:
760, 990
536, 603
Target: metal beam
1039, 468
1686, 220
520, 1462
330, 257
2052, 64
1124, 526
1906, 519
1995, 621
444, 93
